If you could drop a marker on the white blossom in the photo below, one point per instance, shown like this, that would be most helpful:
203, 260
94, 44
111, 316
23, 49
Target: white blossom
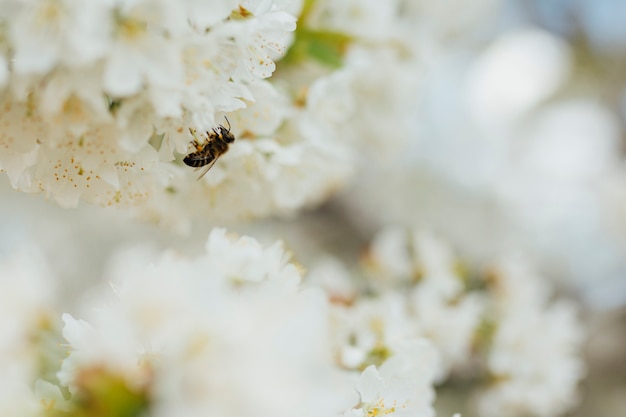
48, 33
197, 338
504, 82
424, 295
370, 330
437, 303
389, 256
535, 354
443, 310
362, 107
26, 300
332, 275
26, 307
402, 386
367, 19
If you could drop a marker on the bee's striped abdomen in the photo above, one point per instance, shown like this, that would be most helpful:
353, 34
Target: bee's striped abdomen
198, 159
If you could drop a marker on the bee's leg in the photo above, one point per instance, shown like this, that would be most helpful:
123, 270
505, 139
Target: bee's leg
195, 136
196, 143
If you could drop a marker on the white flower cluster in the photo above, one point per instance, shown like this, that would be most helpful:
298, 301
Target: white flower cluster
230, 332
531, 347
495, 133
235, 330
97, 100
401, 387
534, 355
418, 293
370, 100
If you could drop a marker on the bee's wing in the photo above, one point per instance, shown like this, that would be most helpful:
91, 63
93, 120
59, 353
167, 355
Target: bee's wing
203, 170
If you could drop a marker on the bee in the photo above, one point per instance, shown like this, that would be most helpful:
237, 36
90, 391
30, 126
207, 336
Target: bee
208, 151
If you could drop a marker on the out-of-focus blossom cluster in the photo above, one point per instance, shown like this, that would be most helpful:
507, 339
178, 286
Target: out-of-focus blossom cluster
499, 329
230, 332
517, 142
235, 330
27, 327
534, 357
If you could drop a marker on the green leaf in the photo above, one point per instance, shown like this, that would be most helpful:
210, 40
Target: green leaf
325, 47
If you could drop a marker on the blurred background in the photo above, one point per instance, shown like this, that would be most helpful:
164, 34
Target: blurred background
517, 146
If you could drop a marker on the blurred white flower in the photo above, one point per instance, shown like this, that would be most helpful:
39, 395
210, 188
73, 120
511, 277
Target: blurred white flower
16, 398
369, 110
191, 337
534, 357
367, 19
370, 330
495, 168
332, 276
439, 25
464, 316
145, 50
26, 302
444, 310
26, 312
505, 82
437, 304
389, 256
47, 33
402, 386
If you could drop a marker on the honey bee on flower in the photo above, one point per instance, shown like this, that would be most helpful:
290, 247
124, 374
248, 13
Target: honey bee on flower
208, 151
